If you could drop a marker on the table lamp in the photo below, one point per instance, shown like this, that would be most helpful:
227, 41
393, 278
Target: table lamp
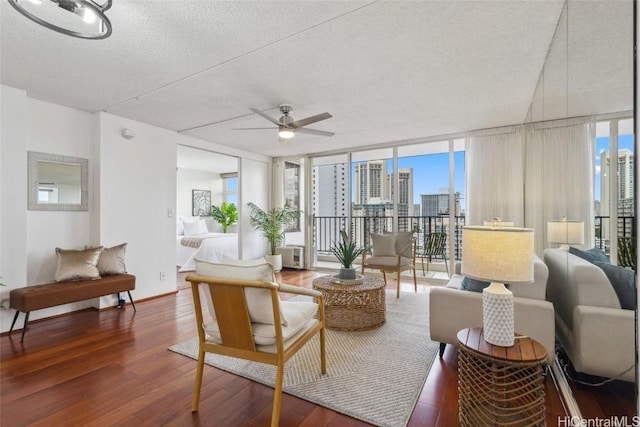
565, 232
498, 255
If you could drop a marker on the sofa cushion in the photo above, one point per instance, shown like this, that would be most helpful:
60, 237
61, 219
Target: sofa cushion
77, 264
623, 282
258, 300
473, 285
592, 255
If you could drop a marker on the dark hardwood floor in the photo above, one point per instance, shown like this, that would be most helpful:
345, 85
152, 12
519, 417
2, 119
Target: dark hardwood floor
114, 368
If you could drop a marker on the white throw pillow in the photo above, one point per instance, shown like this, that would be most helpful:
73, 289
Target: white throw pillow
298, 312
195, 228
403, 241
258, 300
383, 244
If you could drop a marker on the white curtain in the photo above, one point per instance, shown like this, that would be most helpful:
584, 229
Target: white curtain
495, 182
559, 176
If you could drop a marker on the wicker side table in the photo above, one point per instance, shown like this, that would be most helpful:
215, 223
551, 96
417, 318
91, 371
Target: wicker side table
352, 307
500, 386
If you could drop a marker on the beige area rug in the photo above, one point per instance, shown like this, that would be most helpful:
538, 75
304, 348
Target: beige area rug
375, 376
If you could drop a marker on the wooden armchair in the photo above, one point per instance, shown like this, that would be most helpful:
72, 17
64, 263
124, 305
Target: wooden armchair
392, 253
235, 305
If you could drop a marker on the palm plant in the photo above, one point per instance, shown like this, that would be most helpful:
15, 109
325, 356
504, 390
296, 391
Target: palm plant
225, 215
272, 223
346, 252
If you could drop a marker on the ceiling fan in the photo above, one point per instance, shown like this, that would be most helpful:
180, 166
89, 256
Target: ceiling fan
287, 127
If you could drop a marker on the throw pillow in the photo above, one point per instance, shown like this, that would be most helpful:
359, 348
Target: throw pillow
77, 264
383, 244
112, 260
592, 255
403, 243
195, 228
258, 300
473, 285
623, 282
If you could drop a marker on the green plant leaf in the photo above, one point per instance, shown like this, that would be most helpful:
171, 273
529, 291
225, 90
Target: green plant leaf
271, 223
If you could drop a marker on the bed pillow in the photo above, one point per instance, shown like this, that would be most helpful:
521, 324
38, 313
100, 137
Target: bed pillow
195, 228
258, 300
112, 260
592, 255
77, 264
623, 282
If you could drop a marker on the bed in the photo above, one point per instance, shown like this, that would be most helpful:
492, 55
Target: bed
205, 247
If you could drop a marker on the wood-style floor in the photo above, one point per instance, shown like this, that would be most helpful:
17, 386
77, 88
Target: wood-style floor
114, 368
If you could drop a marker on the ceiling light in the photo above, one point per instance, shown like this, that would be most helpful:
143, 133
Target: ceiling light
285, 132
78, 18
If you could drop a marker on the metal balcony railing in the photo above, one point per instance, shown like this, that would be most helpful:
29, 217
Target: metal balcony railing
326, 230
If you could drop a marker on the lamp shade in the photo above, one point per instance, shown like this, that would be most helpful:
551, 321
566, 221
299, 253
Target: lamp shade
499, 255
565, 232
503, 255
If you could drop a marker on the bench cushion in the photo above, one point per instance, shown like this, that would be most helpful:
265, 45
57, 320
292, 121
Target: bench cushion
57, 293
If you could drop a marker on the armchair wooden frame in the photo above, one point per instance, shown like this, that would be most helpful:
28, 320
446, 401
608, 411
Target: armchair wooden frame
397, 268
232, 316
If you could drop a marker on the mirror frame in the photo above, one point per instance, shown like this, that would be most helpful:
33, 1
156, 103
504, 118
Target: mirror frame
33, 205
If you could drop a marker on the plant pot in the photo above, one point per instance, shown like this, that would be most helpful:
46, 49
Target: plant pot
275, 261
347, 273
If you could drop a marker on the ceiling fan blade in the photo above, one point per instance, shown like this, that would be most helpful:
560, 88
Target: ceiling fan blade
260, 113
252, 128
309, 120
314, 132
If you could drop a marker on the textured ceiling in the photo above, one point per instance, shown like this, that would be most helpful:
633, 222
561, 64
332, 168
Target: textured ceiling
386, 70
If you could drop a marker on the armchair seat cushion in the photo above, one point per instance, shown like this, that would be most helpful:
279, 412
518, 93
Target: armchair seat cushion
390, 261
298, 313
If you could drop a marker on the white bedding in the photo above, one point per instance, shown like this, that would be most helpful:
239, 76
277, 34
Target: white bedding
212, 248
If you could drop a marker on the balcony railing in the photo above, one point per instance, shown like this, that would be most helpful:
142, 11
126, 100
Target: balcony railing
326, 230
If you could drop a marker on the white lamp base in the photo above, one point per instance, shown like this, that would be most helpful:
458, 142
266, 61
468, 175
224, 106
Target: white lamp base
497, 315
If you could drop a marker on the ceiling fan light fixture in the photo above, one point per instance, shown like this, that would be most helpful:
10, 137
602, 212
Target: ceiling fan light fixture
285, 133
77, 18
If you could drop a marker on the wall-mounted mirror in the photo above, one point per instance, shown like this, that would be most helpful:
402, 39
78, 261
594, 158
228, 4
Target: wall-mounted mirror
58, 183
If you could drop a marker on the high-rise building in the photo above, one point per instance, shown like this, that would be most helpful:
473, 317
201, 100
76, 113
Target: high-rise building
370, 182
405, 191
438, 204
624, 176
330, 190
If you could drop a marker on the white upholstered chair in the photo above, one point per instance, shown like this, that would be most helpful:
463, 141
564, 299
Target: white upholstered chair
392, 253
248, 320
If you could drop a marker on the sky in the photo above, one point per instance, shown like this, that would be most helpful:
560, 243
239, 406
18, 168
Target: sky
431, 172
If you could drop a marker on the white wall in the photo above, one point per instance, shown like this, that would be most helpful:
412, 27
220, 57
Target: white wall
254, 187
189, 180
132, 191
137, 195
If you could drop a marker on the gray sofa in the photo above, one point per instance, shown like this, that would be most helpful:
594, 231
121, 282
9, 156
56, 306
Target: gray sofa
597, 335
452, 309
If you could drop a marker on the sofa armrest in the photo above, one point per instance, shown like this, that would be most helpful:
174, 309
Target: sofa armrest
604, 341
451, 310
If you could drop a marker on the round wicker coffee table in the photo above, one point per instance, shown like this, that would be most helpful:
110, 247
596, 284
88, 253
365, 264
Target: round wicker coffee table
352, 307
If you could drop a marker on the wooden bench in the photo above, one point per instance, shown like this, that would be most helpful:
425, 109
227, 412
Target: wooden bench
57, 293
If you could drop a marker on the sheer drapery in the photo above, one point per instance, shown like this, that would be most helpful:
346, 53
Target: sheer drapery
532, 174
559, 176
495, 180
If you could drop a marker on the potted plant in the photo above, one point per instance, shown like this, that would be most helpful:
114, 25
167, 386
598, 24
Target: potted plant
346, 252
225, 215
272, 224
